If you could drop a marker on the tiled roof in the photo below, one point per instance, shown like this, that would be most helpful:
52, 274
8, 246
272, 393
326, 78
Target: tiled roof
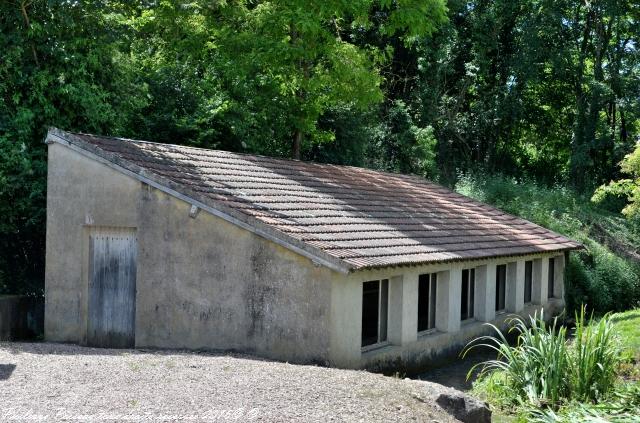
360, 217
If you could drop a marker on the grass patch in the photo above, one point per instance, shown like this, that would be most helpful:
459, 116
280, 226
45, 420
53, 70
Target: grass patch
628, 326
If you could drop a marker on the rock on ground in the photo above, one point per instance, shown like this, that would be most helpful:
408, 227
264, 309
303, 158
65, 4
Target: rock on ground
464, 408
56, 382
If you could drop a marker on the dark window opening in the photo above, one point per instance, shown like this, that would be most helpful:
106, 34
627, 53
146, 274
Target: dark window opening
501, 284
427, 301
552, 271
468, 293
528, 280
375, 299
384, 306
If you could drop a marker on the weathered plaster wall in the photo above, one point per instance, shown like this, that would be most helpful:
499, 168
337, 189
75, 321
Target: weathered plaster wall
202, 283
215, 285
80, 193
410, 351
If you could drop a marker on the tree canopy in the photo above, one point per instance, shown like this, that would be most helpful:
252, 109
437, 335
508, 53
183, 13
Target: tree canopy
547, 90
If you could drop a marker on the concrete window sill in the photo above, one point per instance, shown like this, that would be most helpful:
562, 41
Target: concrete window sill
375, 347
469, 322
429, 333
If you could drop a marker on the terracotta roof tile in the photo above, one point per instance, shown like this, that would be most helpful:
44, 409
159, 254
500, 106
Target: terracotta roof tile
362, 217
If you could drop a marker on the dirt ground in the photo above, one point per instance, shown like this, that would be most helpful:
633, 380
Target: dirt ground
55, 382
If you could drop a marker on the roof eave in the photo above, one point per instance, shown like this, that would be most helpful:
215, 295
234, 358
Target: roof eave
578, 246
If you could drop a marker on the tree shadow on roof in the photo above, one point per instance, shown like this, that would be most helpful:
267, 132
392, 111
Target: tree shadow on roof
408, 217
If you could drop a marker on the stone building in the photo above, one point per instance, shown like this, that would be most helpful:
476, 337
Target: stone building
166, 246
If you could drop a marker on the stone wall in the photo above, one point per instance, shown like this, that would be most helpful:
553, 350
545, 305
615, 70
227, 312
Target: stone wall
21, 317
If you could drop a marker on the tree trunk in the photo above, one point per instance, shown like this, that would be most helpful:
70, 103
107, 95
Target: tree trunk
579, 161
297, 142
623, 128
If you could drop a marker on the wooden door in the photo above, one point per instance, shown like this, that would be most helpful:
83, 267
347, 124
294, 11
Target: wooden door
112, 288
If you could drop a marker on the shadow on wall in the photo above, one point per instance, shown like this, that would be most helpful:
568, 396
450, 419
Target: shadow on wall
6, 370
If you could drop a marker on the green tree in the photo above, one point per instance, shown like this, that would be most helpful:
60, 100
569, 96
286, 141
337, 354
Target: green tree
298, 55
399, 145
63, 64
600, 54
540, 88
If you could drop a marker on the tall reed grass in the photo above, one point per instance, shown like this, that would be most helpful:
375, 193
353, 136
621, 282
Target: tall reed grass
594, 358
545, 368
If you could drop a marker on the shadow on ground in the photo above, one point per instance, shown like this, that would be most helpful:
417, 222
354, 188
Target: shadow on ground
6, 370
48, 348
454, 375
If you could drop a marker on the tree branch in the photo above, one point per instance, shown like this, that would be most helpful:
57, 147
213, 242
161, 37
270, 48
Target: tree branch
23, 9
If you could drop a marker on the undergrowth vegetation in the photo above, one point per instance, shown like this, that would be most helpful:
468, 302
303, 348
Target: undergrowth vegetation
598, 276
532, 372
553, 374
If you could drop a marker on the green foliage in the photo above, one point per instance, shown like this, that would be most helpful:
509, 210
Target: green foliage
594, 358
612, 397
600, 278
352, 132
620, 406
628, 189
544, 369
614, 195
595, 276
399, 145
424, 151
300, 54
546, 89
534, 371
63, 63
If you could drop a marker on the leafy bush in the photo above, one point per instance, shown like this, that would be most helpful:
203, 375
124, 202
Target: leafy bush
545, 369
601, 279
594, 276
624, 188
399, 145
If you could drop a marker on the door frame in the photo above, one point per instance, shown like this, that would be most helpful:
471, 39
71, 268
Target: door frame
83, 292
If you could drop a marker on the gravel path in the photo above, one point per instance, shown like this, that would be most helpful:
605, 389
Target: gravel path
55, 382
